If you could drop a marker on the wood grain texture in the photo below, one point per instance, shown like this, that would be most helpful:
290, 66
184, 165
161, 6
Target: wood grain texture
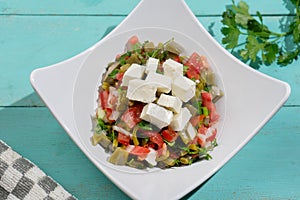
267, 168
50, 39
124, 7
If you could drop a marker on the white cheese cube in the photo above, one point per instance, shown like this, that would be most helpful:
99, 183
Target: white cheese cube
135, 71
141, 90
191, 131
188, 134
151, 157
172, 68
184, 137
162, 82
184, 88
156, 115
151, 65
171, 102
180, 120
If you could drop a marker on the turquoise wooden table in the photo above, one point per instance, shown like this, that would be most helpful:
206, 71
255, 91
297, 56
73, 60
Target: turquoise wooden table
34, 35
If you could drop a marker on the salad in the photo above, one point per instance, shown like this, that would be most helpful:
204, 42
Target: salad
156, 107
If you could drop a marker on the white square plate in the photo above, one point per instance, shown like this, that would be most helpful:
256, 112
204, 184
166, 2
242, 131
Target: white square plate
251, 98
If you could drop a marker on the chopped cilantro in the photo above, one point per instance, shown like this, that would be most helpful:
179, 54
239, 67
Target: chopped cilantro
259, 44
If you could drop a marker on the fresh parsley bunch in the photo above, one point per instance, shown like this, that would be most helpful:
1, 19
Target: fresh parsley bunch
261, 45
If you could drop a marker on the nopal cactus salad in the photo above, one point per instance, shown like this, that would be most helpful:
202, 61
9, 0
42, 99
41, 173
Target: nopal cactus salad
156, 107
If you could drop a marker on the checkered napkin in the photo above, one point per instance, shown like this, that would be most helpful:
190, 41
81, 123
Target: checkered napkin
20, 179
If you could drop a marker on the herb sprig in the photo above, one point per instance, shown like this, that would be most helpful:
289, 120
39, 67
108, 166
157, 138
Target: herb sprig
261, 45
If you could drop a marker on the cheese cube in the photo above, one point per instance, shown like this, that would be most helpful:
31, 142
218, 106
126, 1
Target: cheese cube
184, 137
184, 88
162, 82
172, 68
171, 102
191, 131
141, 90
188, 133
156, 115
180, 120
151, 157
151, 65
135, 71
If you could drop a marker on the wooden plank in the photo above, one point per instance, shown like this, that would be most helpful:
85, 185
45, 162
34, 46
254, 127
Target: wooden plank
268, 167
42, 41
217, 7
36, 135
31, 42
124, 7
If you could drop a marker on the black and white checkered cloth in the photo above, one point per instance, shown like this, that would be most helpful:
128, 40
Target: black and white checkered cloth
20, 179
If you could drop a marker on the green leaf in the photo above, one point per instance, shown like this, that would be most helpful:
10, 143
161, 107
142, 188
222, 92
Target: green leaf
242, 14
241, 8
254, 47
286, 58
145, 125
296, 32
114, 73
259, 16
270, 52
231, 37
262, 45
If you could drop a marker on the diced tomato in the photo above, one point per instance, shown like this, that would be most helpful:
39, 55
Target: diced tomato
118, 56
176, 58
202, 130
132, 115
207, 102
155, 138
212, 136
206, 97
119, 76
201, 139
196, 119
112, 99
198, 62
141, 152
169, 135
104, 100
123, 139
109, 112
131, 42
103, 95
193, 73
162, 150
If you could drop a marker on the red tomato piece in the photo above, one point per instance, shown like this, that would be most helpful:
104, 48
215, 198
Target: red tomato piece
196, 119
162, 150
141, 152
202, 130
109, 112
207, 102
123, 139
197, 61
201, 139
155, 138
193, 73
132, 115
103, 95
169, 135
119, 76
176, 58
131, 42
212, 136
